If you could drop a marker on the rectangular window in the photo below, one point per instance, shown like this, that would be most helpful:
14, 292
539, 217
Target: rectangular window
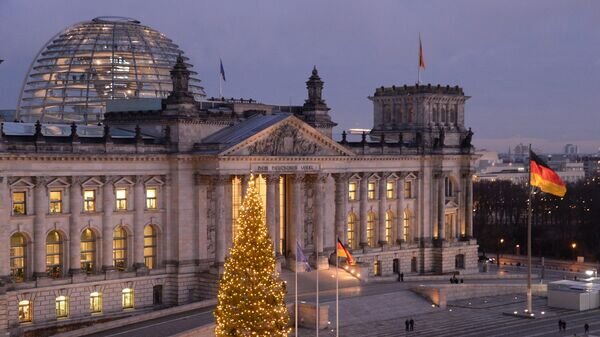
95, 302
25, 311
121, 199
390, 190
19, 203
408, 189
151, 198
127, 298
89, 200
62, 307
55, 202
371, 191
352, 191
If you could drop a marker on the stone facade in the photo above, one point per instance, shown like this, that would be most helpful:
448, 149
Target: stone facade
148, 204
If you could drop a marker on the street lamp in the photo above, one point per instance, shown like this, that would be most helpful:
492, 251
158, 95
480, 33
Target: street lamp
518, 248
573, 245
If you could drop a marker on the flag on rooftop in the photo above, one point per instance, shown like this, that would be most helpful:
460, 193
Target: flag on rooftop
343, 252
222, 70
421, 58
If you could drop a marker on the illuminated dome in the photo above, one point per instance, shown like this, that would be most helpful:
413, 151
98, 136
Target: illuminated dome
92, 62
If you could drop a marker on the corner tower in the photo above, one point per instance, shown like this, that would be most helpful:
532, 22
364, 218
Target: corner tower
315, 111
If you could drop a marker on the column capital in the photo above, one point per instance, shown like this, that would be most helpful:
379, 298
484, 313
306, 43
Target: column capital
108, 180
299, 178
341, 177
322, 178
76, 180
41, 181
139, 179
272, 178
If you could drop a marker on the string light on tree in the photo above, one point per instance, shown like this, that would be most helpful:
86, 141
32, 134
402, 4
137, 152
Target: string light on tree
250, 301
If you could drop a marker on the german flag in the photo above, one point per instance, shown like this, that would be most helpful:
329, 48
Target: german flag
544, 177
343, 252
421, 58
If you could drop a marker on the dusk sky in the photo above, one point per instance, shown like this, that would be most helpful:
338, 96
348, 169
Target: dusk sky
531, 67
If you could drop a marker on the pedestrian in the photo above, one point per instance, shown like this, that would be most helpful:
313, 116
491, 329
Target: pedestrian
564, 326
412, 324
560, 325
401, 277
586, 328
406, 324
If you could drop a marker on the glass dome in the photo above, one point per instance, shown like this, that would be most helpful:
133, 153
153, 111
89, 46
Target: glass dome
89, 63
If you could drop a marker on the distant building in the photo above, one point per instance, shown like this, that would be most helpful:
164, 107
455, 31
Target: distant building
571, 149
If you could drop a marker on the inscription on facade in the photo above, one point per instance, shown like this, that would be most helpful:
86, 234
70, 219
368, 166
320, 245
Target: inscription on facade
261, 168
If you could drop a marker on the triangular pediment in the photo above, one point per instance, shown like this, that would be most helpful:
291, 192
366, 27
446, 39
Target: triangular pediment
410, 176
124, 182
92, 182
451, 204
21, 183
58, 183
154, 181
289, 137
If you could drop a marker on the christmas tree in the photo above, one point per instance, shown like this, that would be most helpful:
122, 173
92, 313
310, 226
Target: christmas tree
250, 301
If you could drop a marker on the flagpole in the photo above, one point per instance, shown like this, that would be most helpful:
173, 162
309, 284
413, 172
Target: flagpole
296, 296
529, 212
220, 86
337, 293
419, 64
317, 271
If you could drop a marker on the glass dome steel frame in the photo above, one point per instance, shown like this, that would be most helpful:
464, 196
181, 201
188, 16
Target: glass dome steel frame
89, 63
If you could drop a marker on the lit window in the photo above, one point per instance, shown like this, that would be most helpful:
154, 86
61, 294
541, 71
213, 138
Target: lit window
389, 218
62, 307
150, 247
151, 198
408, 189
55, 202
54, 254
371, 229
25, 311
127, 298
371, 191
88, 251
405, 223
351, 230
352, 191
89, 200
95, 302
121, 199
18, 249
390, 190
19, 203
120, 248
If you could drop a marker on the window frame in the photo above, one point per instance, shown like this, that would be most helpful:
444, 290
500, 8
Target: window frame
25, 316
88, 265
352, 189
390, 193
371, 226
127, 299
408, 193
153, 246
13, 257
371, 192
124, 259
62, 306
121, 203
54, 202
351, 230
20, 203
389, 226
150, 200
96, 302
55, 270
92, 201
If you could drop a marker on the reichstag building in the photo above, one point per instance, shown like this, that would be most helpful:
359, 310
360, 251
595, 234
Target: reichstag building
121, 188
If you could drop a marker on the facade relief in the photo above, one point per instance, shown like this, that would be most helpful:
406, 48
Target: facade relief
287, 140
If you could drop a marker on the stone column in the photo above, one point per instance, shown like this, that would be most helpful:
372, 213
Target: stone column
469, 205
39, 227
319, 216
441, 208
4, 231
138, 223
364, 186
382, 208
76, 205
341, 213
272, 209
220, 230
400, 207
108, 205
297, 224
244, 179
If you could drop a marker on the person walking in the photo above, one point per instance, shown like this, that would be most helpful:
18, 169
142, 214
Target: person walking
564, 326
560, 325
406, 324
412, 324
586, 328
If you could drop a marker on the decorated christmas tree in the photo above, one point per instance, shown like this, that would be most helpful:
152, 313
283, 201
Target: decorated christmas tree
250, 300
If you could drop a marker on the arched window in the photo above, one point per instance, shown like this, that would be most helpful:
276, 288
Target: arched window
405, 223
150, 246
389, 219
371, 229
351, 230
18, 257
88, 251
54, 254
120, 248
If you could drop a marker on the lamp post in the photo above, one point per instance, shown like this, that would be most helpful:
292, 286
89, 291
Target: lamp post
518, 249
574, 246
500, 242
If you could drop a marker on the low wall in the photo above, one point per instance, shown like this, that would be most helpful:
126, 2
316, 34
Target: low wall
441, 294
